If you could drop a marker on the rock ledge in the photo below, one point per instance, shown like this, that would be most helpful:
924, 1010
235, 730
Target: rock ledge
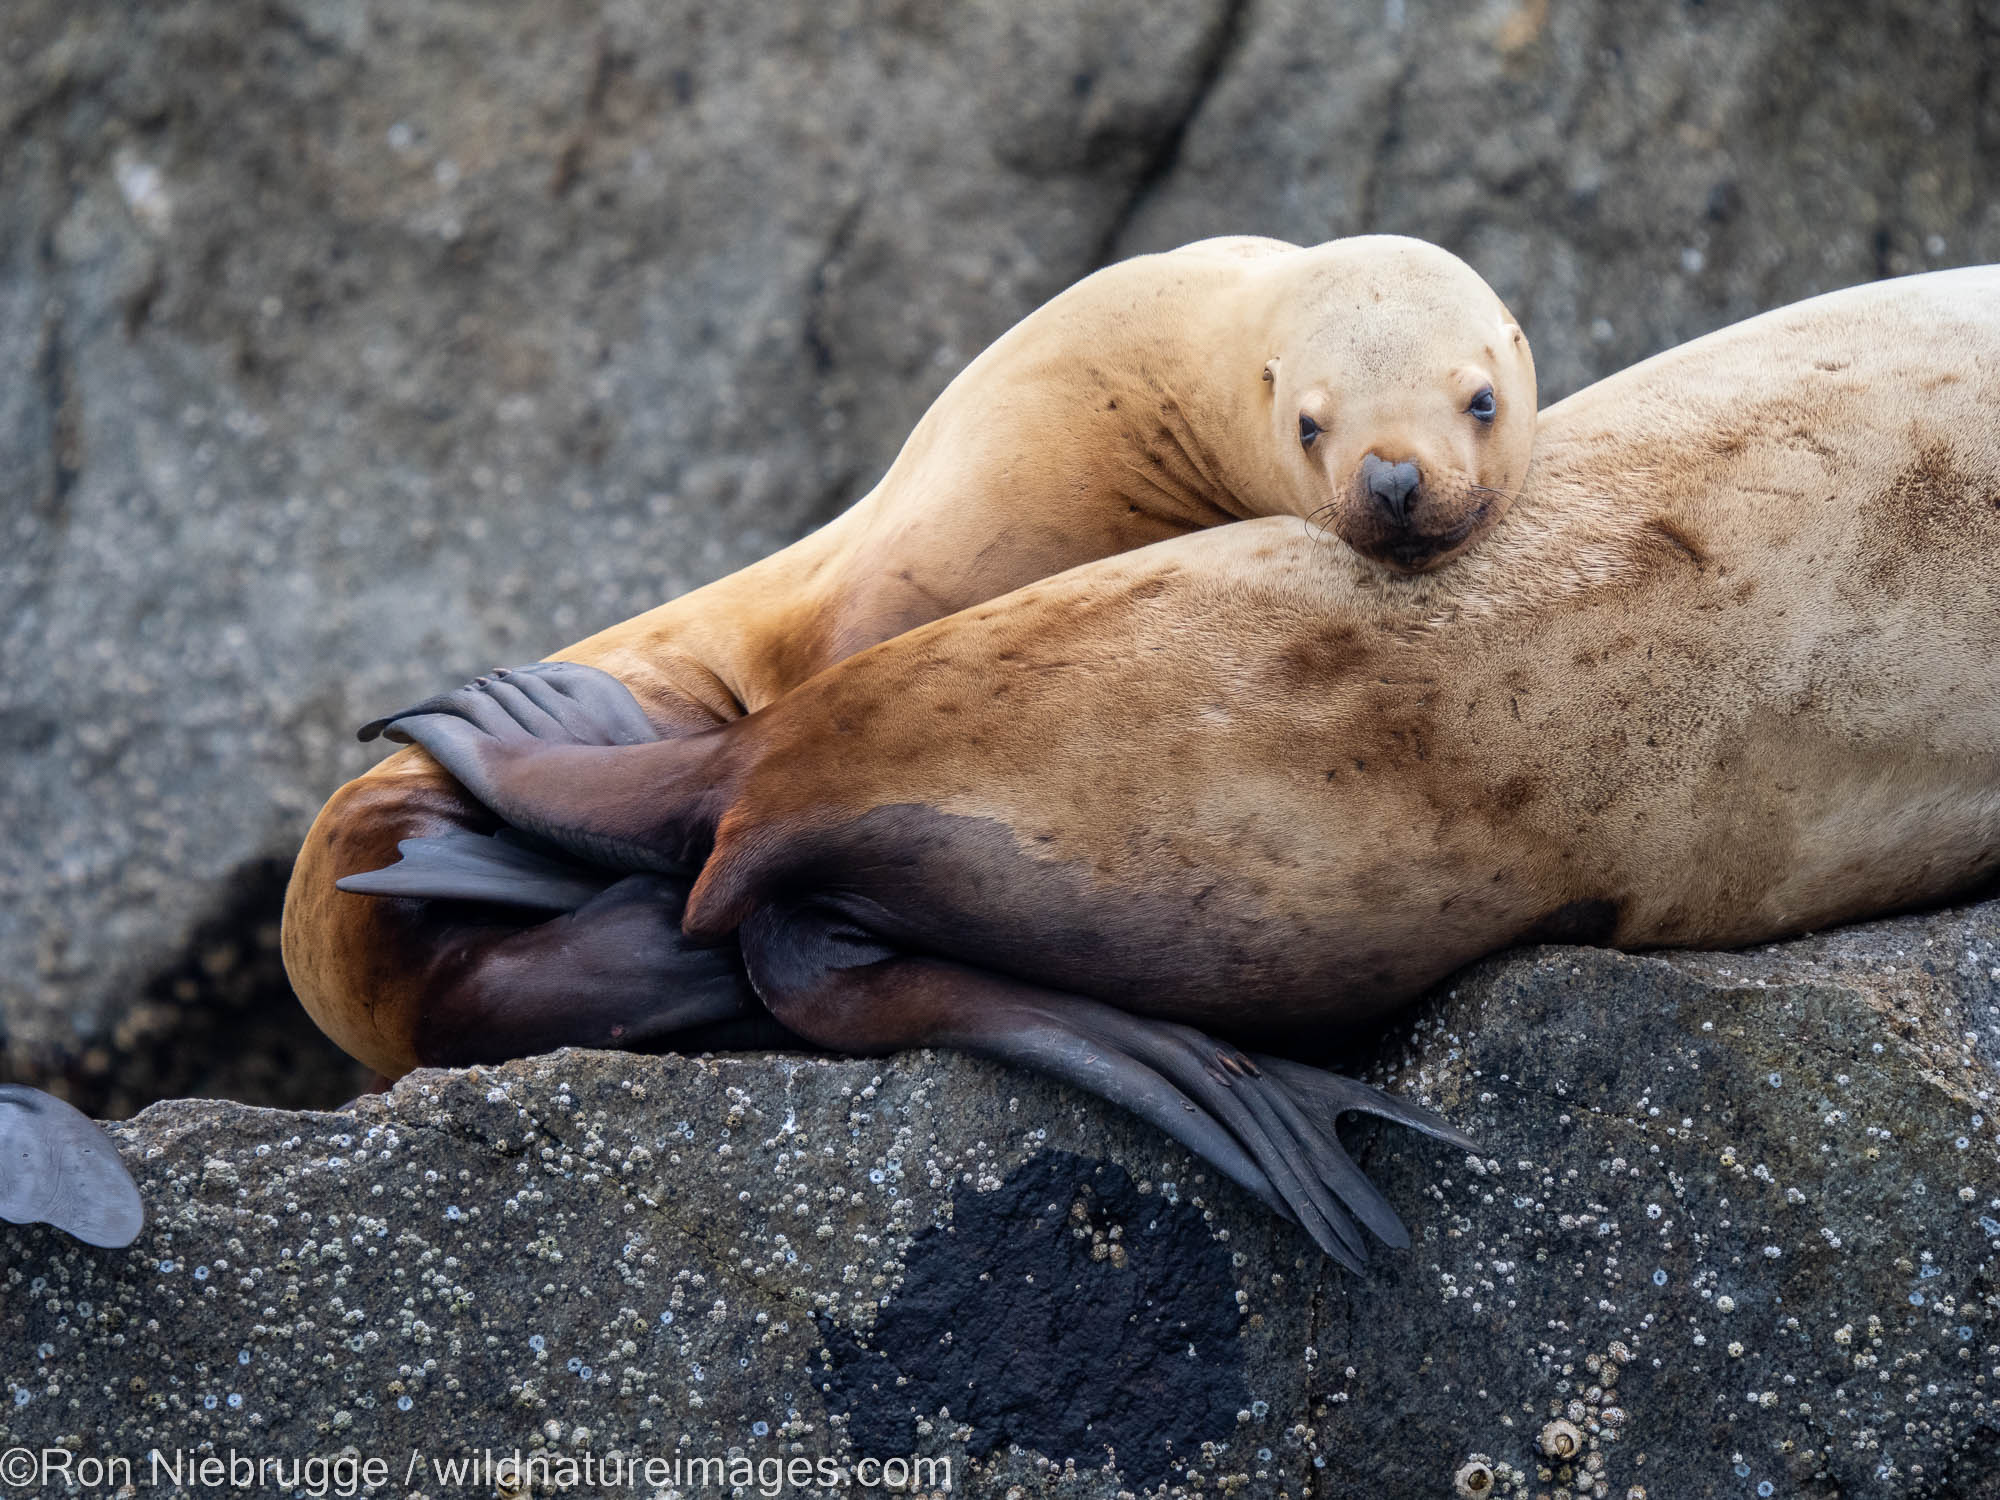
1737, 1226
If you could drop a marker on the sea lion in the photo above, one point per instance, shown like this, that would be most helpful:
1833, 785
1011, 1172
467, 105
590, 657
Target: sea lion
1374, 384
1731, 671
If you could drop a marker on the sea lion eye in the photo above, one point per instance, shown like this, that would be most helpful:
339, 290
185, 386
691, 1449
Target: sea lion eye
1483, 405
1308, 430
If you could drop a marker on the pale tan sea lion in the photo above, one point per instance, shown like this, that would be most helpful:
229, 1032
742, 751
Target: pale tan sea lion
1731, 671
1376, 384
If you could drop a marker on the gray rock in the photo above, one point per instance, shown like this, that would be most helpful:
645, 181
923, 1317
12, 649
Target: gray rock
1737, 1223
358, 348
1627, 175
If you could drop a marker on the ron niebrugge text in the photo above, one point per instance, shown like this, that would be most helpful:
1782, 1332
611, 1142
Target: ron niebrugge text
344, 1476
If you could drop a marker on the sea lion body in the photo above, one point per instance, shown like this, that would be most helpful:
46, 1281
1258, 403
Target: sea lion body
1731, 671
1161, 395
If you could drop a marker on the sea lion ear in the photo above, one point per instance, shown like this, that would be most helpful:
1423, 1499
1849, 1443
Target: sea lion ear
1271, 370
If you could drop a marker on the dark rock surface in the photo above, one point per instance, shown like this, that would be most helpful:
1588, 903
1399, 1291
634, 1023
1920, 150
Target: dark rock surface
1737, 1223
354, 348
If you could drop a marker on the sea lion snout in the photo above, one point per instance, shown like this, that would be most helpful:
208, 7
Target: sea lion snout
1412, 516
1392, 486
1395, 518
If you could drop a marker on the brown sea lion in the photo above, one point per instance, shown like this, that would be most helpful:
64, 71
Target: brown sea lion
1375, 384
1731, 671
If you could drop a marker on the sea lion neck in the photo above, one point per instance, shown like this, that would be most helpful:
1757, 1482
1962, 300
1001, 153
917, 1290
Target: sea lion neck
1192, 411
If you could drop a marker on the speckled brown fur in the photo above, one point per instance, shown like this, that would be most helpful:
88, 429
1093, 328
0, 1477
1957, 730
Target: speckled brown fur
1237, 780
1131, 409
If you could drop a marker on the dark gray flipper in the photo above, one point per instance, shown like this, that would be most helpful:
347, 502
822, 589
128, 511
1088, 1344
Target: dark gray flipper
562, 702
1334, 1094
1325, 1096
1265, 1123
564, 752
616, 972
507, 867
1269, 1129
57, 1167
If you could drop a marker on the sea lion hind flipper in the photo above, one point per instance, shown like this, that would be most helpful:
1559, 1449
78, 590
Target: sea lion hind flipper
509, 868
558, 702
57, 1167
1277, 1113
586, 701
617, 972
1253, 1108
1107, 1055
565, 760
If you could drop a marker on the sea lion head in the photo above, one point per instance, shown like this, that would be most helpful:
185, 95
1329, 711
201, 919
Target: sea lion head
1402, 401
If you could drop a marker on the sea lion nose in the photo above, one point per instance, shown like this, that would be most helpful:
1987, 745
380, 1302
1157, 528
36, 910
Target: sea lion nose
1392, 485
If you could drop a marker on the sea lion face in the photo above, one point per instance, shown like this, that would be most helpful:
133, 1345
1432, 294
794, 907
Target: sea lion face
1407, 414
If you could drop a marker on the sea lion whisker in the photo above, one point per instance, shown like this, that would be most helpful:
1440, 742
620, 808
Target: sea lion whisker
1318, 523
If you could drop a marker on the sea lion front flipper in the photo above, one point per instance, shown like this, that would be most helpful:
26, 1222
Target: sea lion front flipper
57, 1167
837, 985
1338, 1095
508, 867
